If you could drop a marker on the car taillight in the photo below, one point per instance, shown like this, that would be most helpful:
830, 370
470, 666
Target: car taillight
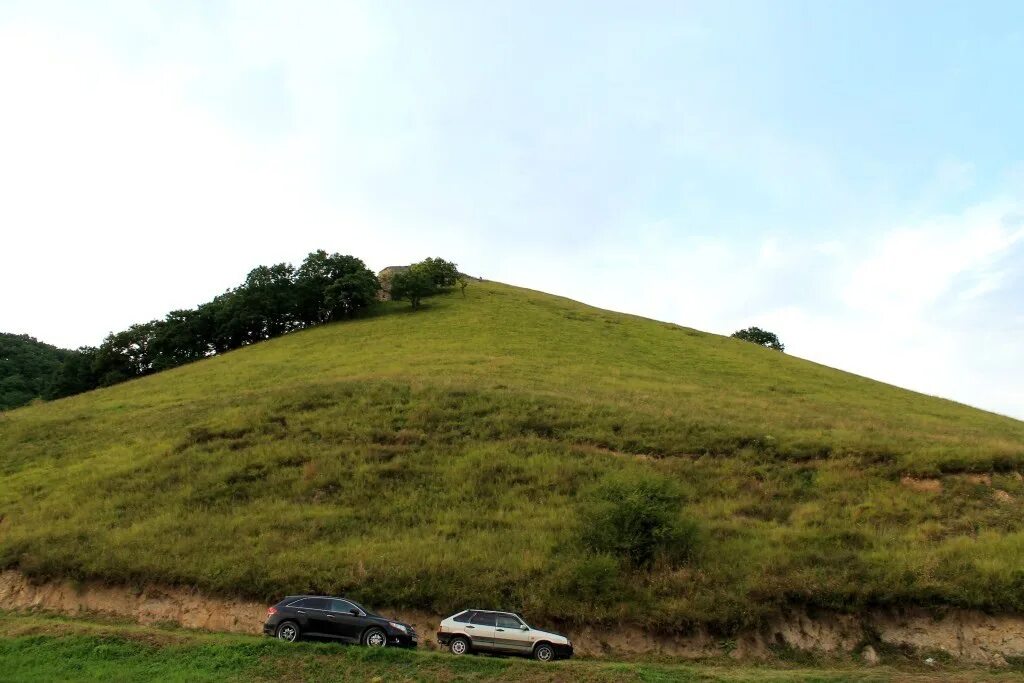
271, 611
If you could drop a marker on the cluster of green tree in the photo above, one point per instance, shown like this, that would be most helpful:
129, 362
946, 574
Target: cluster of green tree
423, 279
761, 337
273, 300
28, 369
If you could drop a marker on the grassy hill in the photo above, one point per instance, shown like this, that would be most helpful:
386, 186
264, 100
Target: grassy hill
436, 459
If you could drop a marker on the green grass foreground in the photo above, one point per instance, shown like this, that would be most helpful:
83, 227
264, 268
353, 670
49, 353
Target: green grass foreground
39, 648
434, 459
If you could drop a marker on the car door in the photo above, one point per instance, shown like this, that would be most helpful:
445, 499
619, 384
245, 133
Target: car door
509, 635
348, 619
319, 621
481, 629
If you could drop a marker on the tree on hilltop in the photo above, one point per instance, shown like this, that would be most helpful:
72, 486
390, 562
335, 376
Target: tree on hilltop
333, 287
423, 279
442, 273
761, 337
412, 285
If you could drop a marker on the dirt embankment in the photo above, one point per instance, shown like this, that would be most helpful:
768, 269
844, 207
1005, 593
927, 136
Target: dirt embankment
967, 635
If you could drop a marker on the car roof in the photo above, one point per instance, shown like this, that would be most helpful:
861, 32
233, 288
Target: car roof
487, 611
316, 595
332, 597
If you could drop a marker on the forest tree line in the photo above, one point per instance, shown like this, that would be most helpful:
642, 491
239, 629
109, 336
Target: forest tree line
272, 301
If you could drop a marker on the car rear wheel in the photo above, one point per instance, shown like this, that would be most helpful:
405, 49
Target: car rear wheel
375, 637
459, 646
544, 652
288, 631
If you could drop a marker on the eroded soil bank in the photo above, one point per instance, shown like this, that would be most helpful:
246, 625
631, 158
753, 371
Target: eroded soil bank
962, 634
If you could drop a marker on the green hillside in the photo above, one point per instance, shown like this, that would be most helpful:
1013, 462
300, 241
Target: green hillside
440, 458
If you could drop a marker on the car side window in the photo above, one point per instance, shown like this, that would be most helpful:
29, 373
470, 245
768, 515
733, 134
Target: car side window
508, 621
310, 603
483, 619
464, 617
343, 606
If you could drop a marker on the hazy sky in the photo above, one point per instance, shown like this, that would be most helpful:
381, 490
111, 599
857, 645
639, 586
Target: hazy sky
848, 175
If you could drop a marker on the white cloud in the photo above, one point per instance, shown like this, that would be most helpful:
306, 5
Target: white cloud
120, 200
906, 306
911, 268
148, 163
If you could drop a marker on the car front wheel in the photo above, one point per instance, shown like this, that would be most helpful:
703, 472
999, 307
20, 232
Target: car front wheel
459, 646
544, 652
288, 631
375, 637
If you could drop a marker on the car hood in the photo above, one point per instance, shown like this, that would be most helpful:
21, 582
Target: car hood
558, 638
381, 619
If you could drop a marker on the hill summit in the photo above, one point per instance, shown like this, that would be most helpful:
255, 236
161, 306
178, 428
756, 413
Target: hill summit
510, 448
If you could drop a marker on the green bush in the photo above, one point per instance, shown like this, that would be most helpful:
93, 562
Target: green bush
637, 518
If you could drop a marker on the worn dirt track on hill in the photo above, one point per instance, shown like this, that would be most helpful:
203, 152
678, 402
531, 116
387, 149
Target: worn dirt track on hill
962, 634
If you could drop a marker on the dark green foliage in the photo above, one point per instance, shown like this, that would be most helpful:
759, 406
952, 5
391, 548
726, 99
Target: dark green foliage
762, 337
412, 285
265, 305
273, 300
443, 274
77, 373
423, 279
637, 518
28, 369
126, 354
183, 337
333, 287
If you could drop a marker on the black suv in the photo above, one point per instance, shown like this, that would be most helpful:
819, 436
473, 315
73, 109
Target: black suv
323, 616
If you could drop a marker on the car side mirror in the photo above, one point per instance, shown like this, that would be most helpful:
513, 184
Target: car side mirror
524, 627
354, 611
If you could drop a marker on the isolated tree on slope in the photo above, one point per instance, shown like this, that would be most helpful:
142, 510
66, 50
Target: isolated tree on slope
412, 285
423, 279
761, 337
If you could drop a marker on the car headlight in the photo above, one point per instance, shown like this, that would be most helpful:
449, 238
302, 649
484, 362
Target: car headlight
398, 627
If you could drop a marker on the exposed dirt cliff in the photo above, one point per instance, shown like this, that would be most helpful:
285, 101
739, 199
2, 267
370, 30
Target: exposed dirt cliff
962, 634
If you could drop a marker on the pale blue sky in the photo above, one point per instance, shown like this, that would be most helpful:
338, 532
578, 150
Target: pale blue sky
848, 175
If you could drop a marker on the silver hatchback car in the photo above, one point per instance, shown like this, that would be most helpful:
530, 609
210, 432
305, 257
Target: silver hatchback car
477, 630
